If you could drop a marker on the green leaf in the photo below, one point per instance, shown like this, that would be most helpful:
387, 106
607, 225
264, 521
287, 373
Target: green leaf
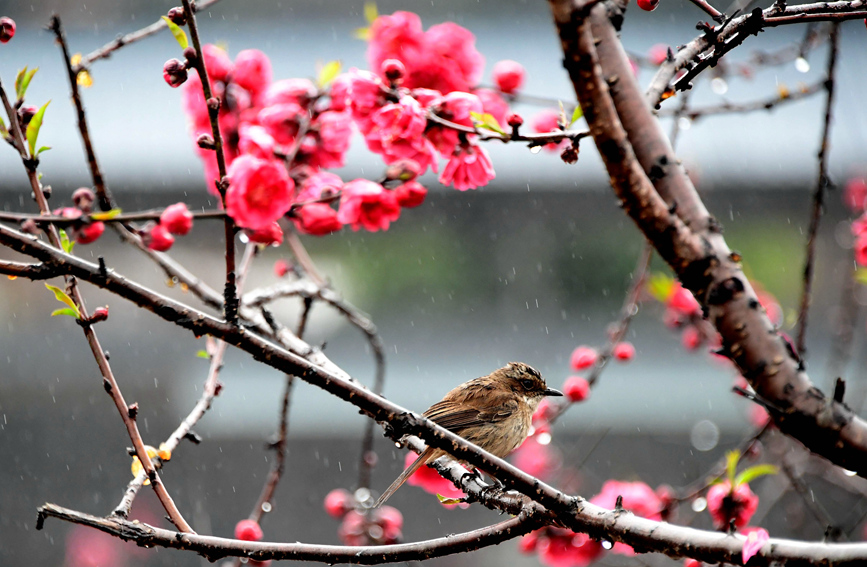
34, 126
732, 458
21, 88
370, 12
3, 130
487, 121
576, 114
18, 80
861, 275
65, 242
361, 33
327, 73
61, 296
43, 149
449, 501
66, 311
755, 472
106, 215
203, 354
179, 34
660, 286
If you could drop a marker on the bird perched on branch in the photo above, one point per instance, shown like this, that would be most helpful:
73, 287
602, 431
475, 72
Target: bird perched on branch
494, 412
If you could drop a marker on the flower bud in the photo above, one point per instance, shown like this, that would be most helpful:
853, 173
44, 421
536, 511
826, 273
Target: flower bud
25, 113
7, 29
29, 226
89, 232
403, 170
394, 70
177, 219
213, 103
99, 314
514, 120
206, 142
570, 154
509, 75
158, 238
177, 16
248, 530
190, 55
83, 199
174, 73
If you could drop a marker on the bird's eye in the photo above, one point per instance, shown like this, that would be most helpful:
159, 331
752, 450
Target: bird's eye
527, 384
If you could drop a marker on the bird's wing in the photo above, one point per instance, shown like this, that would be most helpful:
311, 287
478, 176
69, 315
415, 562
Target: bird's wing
456, 416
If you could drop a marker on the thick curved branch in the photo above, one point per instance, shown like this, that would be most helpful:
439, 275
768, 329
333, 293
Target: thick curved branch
712, 271
573, 512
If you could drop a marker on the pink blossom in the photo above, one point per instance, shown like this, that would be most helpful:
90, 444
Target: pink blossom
509, 75
158, 238
583, 357
398, 36
367, 95
248, 530
725, 504
194, 104
398, 133
410, 194
560, 547
367, 204
546, 121
177, 219
281, 268
271, 235
536, 459
260, 192
637, 497
493, 104
576, 388
455, 107
317, 219
859, 225
682, 302
88, 233
431, 482
658, 54
86, 547
335, 130
256, 141
252, 71
339, 92
861, 250
756, 539
282, 121
297, 91
338, 502
426, 97
7, 29
623, 351
469, 168
319, 185
855, 194
217, 63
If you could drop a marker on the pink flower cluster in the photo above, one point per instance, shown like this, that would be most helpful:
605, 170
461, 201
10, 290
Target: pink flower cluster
728, 505
377, 526
855, 197
559, 547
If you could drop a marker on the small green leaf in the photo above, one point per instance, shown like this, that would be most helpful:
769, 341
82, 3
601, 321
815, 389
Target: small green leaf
34, 126
752, 473
179, 34
203, 354
448, 501
3, 131
361, 33
370, 12
861, 275
61, 296
487, 121
65, 243
21, 89
43, 149
66, 311
660, 286
106, 215
732, 458
576, 114
19, 78
327, 73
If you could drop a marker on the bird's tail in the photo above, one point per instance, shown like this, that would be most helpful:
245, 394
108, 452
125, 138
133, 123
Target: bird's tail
398, 482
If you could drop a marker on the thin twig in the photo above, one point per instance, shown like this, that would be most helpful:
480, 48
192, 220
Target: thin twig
818, 194
106, 50
742, 108
709, 10
152, 214
532, 139
820, 514
213, 105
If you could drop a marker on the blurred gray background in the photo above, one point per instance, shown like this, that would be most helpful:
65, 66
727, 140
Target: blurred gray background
524, 269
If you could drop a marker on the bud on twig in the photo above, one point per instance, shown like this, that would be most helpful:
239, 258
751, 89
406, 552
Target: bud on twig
83, 199
206, 142
177, 16
7, 29
174, 73
99, 314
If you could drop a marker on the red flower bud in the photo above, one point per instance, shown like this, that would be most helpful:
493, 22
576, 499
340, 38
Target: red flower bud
248, 530
281, 268
89, 232
99, 314
83, 199
177, 16
576, 388
393, 70
7, 29
648, 5
174, 73
509, 75
583, 357
206, 142
177, 219
338, 502
158, 238
514, 120
623, 351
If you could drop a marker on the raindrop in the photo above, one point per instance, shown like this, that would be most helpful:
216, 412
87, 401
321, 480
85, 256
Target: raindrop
607, 544
362, 495
699, 504
544, 438
266, 507
802, 65
244, 238
375, 531
535, 149
849, 473
684, 123
719, 86
704, 435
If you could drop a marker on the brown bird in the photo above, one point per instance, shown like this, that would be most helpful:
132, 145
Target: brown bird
494, 412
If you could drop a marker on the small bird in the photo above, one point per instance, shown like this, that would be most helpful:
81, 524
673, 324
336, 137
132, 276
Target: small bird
494, 412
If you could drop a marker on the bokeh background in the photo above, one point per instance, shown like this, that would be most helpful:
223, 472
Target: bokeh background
524, 269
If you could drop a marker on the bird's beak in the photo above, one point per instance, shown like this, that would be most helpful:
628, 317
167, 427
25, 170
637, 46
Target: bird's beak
553, 392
